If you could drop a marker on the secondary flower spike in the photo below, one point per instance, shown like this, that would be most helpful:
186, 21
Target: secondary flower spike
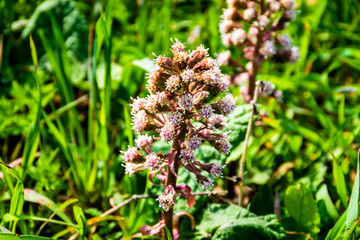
186, 108
255, 28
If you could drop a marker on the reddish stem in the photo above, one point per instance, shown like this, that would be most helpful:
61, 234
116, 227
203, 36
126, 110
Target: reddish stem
171, 178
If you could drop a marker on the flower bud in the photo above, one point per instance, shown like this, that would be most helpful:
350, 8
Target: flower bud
216, 122
144, 142
268, 49
132, 168
186, 101
226, 26
274, 6
249, 14
224, 106
205, 111
197, 55
187, 75
153, 161
167, 200
288, 4
224, 58
141, 121
238, 37
167, 132
173, 83
199, 97
187, 156
164, 62
133, 155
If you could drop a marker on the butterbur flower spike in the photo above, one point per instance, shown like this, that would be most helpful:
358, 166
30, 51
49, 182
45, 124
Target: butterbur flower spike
254, 27
183, 109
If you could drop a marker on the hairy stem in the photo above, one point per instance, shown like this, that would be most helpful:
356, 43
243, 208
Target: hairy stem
171, 180
171, 177
247, 136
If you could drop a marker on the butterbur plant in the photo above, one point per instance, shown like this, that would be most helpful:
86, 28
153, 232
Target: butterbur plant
255, 28
183, 109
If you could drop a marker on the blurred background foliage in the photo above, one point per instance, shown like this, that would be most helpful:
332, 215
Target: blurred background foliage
94, 55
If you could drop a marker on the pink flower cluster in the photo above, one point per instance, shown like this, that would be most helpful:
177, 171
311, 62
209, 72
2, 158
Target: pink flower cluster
182, 109
255, 27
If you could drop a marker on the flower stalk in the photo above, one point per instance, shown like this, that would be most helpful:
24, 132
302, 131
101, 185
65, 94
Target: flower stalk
246, 142
184, 109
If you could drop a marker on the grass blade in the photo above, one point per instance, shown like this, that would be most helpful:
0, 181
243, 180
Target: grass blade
16, 204
59, 209
32, 138
354, 200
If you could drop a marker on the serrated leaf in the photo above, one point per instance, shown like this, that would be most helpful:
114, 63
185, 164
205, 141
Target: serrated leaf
71, 20
233, 222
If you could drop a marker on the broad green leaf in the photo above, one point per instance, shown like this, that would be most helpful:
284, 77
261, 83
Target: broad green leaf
233, 222
302, 207
73, 24
237, 124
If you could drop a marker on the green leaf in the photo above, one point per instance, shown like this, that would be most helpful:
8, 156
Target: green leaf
237, 124
17, 203
58, 210
4, 230
233, 222
263, 202
323, 194
340, 182
32, 137
302, 207
80, 219
73, 24
7, 236
33, 52
168, 234
353, 209
146, 63
337, 230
